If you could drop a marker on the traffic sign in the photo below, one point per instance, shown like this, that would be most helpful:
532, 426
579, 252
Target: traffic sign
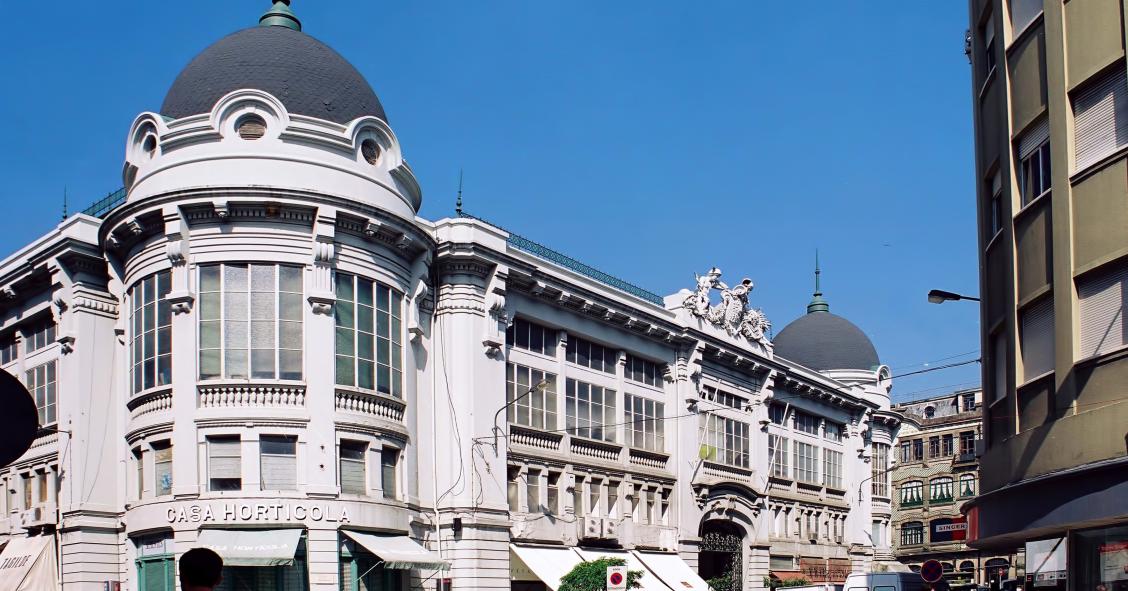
616, 578
932, 571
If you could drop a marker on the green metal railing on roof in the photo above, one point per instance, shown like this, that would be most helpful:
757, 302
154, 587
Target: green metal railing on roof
539, 250
105, 205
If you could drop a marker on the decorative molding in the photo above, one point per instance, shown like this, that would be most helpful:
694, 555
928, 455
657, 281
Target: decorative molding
404, 242
323, 252
372, 228
94, 305
252, 395
222, 210
8, 293
180, 301
160, 400
66, 343
322, 303
174, 250
364, 403
135, 226
732, 313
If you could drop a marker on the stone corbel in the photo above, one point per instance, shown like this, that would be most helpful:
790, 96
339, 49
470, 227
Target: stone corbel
180, 301
135, 226
415, 324
222, 210
494, 338
66, 343
372, 228
8, 293
404, 242
322, 304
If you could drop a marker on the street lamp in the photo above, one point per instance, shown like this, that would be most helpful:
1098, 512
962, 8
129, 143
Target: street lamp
939, 296
539, 386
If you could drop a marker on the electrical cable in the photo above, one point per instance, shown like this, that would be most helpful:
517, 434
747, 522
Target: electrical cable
938, 368
931, 361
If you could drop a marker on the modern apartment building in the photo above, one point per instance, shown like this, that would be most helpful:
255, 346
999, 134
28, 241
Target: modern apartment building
935, 474
1050, 103
259, 346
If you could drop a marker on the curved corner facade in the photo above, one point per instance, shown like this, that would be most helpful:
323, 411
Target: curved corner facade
1048, 93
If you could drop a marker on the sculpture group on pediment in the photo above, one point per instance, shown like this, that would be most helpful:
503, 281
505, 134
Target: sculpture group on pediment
732, 313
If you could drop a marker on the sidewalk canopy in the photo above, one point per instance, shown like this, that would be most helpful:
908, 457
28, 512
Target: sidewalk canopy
28, 564
648, 582
252, 547
548, 564
399, 552
672, 570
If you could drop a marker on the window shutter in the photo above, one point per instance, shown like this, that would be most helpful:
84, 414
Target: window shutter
224, 459
1100, 116
1102, 312
1038, 338
352, 477
1037, 134
279, 472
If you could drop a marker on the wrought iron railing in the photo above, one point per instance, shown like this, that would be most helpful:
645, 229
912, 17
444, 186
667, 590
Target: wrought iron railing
105, 205
539, 250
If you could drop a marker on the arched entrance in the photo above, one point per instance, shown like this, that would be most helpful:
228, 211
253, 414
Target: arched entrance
722, 555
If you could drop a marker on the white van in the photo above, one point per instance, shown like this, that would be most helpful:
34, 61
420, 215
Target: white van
885, 582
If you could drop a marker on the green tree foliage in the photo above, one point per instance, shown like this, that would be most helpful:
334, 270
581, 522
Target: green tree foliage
774, 583
592, 576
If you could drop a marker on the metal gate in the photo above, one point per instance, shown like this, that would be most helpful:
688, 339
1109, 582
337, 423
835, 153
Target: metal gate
729, 543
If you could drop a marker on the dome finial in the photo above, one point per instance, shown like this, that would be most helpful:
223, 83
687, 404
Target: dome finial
280, 15
818, 304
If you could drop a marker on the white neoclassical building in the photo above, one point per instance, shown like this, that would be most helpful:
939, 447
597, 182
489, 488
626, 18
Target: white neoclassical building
258, 346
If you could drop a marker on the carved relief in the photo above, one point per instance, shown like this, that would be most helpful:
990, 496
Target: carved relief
732, 313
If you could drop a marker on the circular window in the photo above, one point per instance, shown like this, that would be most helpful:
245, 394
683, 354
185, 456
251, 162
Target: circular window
370, 150
929, 412
251, 127
149, 145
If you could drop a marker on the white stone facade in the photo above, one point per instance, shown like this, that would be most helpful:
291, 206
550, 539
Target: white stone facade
216, 400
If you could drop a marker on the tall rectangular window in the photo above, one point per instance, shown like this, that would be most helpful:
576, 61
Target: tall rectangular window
776, 413
27, 491
1036, 324
645, 426
644, 371
353, 479
389, 464
591, 355
162, 467
578, 496
1023, 12
947, 445
151, 342
532, 490
906, 452
531, 336
880, 470
613, 498
225, 464
9, 351
535, 407
833, 431
996, 213
139, 462
278, 456
967, 442
918, 450
1100, 118
40, 381
595, 494
513, 489
39, 335
806, 463
832, 469
590, 410
1034, 161
999, 365
41, 482
1101, 309
726, 440
552, 494
987, 34
250, 321
369, 345
806, 423
777, 456
934, 446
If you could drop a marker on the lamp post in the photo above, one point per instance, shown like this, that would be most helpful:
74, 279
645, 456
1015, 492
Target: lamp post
939, 296
539, 386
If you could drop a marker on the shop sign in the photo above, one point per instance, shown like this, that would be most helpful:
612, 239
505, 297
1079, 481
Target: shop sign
254, 512
948, 529
819, 569
1045, 562
1114, 561
156, 547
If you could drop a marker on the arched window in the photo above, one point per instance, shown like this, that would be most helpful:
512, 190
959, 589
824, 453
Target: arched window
948, 567
929, 412
940, 490
967, 485
997, 569
912, 533
912, 493
967, 566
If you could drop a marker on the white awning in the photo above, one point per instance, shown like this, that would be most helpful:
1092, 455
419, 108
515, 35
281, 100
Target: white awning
548, 564
648, 581
673, 571
252, 547
28, 564
399, 551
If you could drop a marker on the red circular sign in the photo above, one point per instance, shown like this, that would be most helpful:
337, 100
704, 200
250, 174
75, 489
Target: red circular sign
616, 579
932, 571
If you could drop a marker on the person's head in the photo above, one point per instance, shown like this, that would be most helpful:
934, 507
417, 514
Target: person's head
200, 568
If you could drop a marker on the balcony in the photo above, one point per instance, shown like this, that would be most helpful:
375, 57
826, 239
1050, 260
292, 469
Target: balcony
244, 395
941, 500
535, 439
911, 504
371, 405
964, 459
534, 442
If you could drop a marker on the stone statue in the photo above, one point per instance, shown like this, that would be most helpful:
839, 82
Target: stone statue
732, 314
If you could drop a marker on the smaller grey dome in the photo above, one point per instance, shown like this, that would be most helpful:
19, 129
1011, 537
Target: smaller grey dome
823, 341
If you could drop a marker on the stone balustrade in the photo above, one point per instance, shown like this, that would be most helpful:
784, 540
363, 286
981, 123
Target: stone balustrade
365, 403
150, 402
598, 450
533, 438
252, 395
648, 459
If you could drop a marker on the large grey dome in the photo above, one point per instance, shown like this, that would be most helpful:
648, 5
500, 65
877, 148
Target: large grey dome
824, 341
304, 73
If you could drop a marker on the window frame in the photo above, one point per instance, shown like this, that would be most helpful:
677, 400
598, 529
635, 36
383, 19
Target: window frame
605, 428
150, 321
1037, 166
525, 329
806, 465
162, 448
525, 411
42, 383
291, 458
644, 426
644, 371
390, 468
583, 352
353, 445
912, 533
350, 368
211, 442
729, 437
778, 449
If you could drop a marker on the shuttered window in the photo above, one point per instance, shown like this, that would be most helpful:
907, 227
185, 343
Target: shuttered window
279, 462
162, 467
352, 468
1100, 118
1034, 161
225, 469
1023, 12
1102, 310
999, 363
389, 460
1038, 338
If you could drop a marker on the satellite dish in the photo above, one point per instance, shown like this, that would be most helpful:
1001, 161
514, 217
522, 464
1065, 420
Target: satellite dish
20, 420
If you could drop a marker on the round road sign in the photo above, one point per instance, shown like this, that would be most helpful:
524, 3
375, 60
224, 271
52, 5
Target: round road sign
931, 571
616, 579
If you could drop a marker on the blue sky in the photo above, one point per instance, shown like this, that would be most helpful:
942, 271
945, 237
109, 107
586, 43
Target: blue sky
649, 139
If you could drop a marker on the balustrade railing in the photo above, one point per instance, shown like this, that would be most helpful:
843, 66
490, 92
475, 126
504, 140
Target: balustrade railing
149, 403
598, 450
527, 437
647, 459
370, 404
252, 395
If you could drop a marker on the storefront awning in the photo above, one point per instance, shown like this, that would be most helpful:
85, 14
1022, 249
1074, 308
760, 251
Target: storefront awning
548, 564
252, 547
399, 551
28, 564
648, 581
672, 570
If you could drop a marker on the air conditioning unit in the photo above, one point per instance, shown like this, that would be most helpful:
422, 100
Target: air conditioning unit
611, 529
593, 527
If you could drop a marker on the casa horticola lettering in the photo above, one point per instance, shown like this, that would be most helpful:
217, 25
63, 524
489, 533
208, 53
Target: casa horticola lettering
241, 512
